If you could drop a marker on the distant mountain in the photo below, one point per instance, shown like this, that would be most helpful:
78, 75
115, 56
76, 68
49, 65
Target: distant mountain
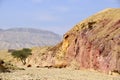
0, 29
26, 37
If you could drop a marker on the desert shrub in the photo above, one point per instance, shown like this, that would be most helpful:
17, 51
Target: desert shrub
29, 65
1, 61
37, 66
22, 54
90, 24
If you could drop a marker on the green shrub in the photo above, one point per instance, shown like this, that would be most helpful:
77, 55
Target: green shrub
22, 54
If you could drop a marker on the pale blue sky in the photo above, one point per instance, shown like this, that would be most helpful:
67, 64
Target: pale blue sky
54, 15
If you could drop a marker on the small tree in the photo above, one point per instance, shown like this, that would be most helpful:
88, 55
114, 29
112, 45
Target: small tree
22, 54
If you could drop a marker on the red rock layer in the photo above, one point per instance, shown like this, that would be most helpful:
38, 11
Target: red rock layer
97, 47
94, 43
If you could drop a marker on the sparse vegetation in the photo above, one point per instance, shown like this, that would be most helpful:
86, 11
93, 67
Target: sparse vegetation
8, 67
22, 54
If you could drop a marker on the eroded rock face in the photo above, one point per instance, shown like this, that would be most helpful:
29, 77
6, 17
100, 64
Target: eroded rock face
98, 53
93, 44
98, 45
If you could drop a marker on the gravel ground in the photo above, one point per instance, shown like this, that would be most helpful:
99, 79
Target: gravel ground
55, 74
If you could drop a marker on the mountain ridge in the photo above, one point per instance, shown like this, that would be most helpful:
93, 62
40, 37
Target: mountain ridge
14, 38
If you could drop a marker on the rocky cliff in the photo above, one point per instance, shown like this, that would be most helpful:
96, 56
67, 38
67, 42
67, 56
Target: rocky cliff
93, 43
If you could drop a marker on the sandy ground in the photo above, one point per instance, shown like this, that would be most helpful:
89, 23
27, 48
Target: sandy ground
55, 74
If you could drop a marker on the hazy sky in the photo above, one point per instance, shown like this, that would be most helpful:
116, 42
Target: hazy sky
55, 15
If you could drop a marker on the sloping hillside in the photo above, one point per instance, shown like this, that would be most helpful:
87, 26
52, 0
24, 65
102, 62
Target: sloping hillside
26, 37
93, 43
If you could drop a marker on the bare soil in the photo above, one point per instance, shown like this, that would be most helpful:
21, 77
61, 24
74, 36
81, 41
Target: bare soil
55, 74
